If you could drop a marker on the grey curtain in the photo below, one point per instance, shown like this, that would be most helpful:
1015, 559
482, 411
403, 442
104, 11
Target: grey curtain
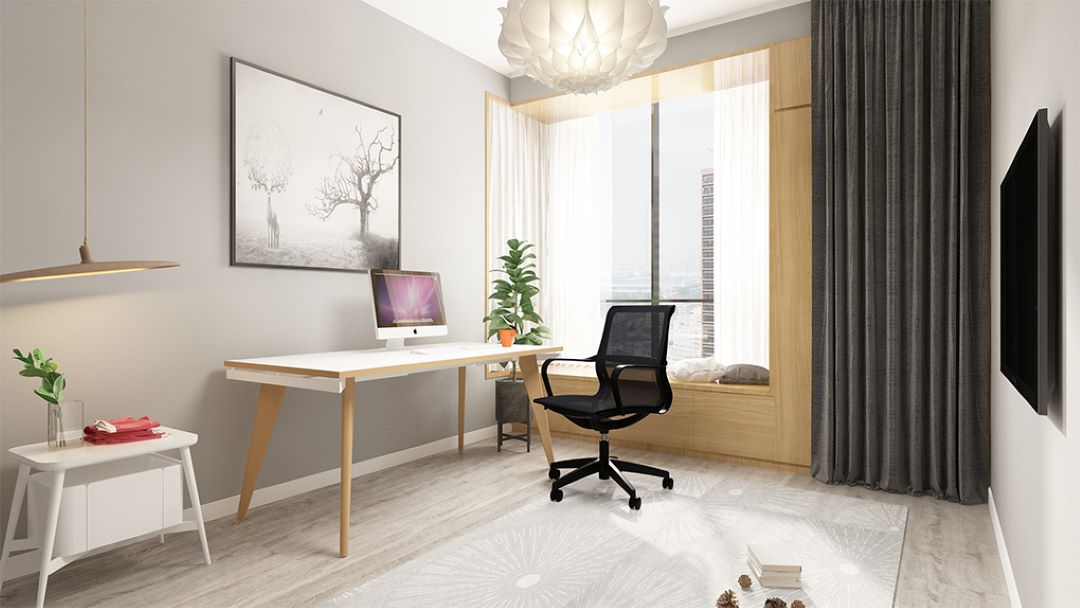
901, 203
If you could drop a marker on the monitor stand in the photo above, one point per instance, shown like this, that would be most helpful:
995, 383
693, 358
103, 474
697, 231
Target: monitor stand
395, 344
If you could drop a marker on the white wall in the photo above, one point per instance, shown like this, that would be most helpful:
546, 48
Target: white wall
153, 343
1036, 460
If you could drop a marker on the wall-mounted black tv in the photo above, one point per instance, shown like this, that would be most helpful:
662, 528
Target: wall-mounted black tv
1030, 267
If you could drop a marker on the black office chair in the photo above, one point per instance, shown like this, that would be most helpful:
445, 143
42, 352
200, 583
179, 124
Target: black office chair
631, 367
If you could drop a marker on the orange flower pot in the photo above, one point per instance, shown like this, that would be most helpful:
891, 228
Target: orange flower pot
506, 337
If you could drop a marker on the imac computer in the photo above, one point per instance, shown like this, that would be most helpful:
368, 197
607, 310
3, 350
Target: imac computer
407, 304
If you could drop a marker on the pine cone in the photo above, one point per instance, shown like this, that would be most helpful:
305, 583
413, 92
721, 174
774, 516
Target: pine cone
797, 604
727, 599
745, 582
775, 602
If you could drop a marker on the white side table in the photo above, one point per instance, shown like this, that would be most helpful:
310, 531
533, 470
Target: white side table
56, 462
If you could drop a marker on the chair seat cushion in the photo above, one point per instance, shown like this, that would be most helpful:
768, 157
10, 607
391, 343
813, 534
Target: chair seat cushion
578, 405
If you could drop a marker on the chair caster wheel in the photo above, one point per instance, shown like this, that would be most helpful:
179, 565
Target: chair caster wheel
556, 495
553, 474
669, 483
635, 503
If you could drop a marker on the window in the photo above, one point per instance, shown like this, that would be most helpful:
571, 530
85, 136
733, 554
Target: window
663, 201
664, 220
626, 136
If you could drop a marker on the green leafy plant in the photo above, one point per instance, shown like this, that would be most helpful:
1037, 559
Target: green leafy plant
512, 296
37, 365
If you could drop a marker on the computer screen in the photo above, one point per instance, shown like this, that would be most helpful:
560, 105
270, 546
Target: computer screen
407, 299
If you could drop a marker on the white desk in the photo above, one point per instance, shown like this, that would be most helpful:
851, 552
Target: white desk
57, 461
338, 372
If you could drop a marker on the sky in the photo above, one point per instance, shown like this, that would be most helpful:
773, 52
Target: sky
686, 139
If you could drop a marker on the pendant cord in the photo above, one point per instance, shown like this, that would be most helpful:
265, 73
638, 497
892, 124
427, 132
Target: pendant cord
85, 97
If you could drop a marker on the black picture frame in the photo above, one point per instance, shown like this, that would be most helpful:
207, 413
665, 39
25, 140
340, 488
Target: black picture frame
385, 261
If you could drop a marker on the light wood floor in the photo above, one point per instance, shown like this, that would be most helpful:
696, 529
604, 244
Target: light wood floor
284, 554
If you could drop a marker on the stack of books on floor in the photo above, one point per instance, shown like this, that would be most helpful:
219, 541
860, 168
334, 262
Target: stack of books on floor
773, 566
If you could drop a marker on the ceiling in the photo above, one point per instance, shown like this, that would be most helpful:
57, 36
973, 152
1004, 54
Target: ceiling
472, 26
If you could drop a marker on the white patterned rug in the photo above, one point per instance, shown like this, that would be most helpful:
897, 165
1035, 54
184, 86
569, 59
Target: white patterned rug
682, 549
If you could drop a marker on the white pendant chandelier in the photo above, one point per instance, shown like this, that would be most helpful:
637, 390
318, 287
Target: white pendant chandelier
582, 46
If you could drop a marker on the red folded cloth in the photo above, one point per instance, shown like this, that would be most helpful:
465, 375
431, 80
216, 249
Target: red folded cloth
127, 423
110, 438
127, 429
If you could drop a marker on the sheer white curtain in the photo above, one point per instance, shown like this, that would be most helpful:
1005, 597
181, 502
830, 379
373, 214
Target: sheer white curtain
517, 196
517, 199
546, 185
741, 209
579, 239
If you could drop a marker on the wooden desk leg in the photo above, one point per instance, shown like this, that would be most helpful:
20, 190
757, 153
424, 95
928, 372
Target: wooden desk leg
13, 517
270, 397
347, 407
461, 409
535, 388
48, 538
193, 495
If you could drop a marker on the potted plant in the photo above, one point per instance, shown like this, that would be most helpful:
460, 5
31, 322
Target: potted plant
37, 365
515, 320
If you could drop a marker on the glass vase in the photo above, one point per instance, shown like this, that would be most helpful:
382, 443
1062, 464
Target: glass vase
64, 423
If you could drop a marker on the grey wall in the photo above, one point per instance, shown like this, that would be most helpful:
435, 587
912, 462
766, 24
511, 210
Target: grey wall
766, 28
153, 343
1036, 460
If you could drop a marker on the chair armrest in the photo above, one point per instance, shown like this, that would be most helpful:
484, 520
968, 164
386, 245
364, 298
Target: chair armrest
544, 369
618, 370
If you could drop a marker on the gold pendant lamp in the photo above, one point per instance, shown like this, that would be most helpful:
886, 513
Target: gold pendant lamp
86, 266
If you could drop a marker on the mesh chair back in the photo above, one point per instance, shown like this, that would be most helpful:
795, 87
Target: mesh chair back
636, 335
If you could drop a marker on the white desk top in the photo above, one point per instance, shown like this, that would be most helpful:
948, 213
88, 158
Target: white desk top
79, 454
379, 361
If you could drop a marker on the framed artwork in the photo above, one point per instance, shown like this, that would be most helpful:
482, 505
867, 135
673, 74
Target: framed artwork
316, 176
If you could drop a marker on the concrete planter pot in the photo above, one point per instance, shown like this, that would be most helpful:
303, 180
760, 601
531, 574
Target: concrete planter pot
512, 405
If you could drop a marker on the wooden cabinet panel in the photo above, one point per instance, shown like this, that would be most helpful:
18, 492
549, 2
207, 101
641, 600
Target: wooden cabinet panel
737, 425
792, 271
789, 73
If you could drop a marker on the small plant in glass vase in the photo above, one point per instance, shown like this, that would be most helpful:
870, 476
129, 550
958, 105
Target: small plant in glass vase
515, 320
37, 365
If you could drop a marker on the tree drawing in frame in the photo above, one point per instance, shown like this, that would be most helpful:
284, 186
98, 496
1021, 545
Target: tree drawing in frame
268, 161
316, 176
353, 184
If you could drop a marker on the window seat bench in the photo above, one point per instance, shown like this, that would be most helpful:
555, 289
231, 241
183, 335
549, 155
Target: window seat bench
734, 423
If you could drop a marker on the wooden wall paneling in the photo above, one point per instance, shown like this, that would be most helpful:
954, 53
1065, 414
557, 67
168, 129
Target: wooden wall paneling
776, 293
790, 194
789, 73
791, 187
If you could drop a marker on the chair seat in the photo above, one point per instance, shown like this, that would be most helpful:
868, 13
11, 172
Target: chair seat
579, 406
